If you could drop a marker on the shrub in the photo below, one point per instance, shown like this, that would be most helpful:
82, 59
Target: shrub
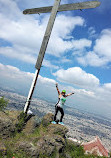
21, 122
3, 103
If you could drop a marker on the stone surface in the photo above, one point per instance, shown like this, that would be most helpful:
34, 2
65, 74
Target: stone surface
49, 144
47, 119
58, 129
6, 125
28, 148
46, 145
31, 124
52, 141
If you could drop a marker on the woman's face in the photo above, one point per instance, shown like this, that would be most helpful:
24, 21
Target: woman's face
63, 93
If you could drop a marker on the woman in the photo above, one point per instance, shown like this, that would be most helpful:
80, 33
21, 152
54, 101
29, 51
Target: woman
59, 106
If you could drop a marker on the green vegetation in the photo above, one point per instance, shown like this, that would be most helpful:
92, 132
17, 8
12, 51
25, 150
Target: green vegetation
11, 154
71, 150
75, 151
21, 122
3, 103
44, 135
20, 137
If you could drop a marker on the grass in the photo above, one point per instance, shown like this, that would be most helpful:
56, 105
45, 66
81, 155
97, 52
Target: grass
70, 150
75, 151
12, 153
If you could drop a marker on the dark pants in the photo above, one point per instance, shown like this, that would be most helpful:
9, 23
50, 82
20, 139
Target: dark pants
57, 108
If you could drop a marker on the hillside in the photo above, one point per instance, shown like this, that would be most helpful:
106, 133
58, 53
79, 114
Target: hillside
36, 138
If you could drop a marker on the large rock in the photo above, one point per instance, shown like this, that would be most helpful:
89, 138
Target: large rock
28, 148
47, 119
48, 144
58, 129
31, 124
6, 125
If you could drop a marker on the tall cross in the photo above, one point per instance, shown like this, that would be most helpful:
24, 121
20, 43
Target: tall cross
53, 9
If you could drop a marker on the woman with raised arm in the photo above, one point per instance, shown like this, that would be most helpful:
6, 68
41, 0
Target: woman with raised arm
59, 106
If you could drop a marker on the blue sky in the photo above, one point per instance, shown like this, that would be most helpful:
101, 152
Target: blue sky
78, 55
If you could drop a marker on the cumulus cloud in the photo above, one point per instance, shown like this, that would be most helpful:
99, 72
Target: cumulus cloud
101, 54
24, 33
77, 76
107, 86
92, 59
103, 44
20, 81
15, 53
92, 32
62, 30
79, 46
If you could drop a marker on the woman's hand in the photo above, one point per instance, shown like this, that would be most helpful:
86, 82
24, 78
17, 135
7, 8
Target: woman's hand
56, 84
57, 89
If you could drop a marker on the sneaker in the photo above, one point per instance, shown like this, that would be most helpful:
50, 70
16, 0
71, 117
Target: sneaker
53, 122
61, 123
29, 112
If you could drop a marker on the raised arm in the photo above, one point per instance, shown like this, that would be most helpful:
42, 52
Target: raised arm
69, 94
57, 89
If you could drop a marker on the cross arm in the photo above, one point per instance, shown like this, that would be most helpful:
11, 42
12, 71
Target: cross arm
64, 7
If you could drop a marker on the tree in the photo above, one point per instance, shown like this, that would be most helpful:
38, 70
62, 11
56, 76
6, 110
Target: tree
3, 103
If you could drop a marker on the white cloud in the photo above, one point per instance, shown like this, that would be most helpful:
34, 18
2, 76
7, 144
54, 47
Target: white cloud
92, 32
92, 59
107, 86
13, 73
62, 30
103, 44
65, 60
47, 63
13, 52
77, 76
80, 45
18, 53
101, 54
25, 33
20, 80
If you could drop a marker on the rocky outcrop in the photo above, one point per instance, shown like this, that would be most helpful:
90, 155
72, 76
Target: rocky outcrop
31, 124
47, 119
53, 141
49, 144
38, 138
6, 125
58, 129
28, 148
46, 146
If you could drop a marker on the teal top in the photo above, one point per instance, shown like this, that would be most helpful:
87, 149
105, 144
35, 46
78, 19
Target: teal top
61, 102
